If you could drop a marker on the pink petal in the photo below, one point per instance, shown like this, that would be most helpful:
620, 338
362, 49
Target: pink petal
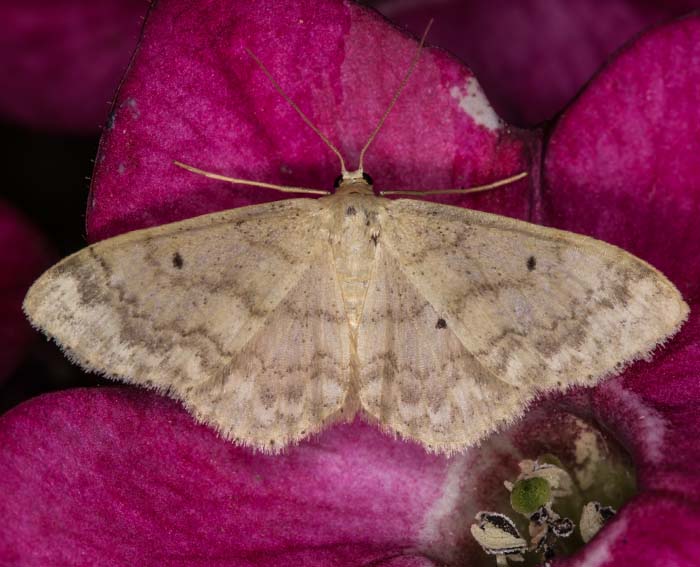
115, 476
204, 102
23, 256
61, 60
531, 56
653, 409
652, 530
118, 476
622, 164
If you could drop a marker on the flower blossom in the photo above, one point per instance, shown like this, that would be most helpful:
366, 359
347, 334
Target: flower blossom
122, 476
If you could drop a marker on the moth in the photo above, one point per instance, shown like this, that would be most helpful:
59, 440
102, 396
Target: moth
270, 321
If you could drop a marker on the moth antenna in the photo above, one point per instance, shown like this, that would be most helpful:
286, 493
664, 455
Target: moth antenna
282, 188
476, 189
412, 68
298, 110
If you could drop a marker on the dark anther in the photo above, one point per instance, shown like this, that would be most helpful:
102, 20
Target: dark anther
441, 324
563, 527
503, 523
531, 263
178, 262
540, 516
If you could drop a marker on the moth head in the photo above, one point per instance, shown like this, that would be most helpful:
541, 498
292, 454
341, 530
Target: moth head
354, 182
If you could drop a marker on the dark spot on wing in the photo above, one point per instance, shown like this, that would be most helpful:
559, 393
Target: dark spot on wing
178, 262
441, 324
350, 211
531, 263
374, 238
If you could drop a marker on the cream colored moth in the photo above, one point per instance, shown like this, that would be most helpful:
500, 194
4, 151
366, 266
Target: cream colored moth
439, 323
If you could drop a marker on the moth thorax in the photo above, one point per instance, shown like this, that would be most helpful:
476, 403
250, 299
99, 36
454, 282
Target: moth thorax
357, 187
354, 238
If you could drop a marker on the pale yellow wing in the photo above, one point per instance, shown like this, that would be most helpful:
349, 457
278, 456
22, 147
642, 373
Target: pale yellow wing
238, 314
471, 315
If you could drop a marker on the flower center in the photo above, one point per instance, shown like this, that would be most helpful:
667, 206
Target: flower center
556, 501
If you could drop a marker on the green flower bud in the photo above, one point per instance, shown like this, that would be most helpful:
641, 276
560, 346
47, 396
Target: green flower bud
529, 495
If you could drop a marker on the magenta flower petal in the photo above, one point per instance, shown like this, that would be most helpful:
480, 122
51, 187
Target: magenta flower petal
653, 408
622, 164
193, 94
532, 56
119, 476
123, 477
60, 61
652, 531
23, 256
